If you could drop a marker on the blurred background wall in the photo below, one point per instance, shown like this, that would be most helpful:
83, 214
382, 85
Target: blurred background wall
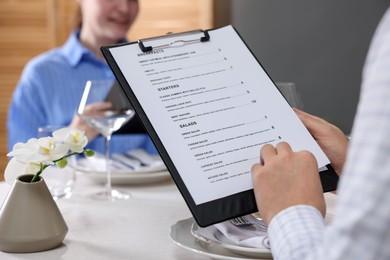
319, 45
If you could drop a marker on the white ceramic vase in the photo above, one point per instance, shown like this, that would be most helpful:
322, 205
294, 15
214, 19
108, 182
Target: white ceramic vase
30, 220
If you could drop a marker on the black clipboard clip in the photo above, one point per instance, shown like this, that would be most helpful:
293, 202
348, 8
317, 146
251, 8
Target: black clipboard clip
176, 43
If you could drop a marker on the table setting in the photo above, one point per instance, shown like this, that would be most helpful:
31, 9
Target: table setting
154, 223
134, 228
230, 240
134, 167
213, 242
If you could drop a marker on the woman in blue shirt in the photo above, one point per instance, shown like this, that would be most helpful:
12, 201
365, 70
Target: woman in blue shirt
52, 83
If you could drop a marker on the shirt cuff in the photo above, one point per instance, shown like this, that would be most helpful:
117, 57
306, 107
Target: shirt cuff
295, 232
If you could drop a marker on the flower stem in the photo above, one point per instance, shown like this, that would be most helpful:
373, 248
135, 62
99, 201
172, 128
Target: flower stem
44, 166
36, 176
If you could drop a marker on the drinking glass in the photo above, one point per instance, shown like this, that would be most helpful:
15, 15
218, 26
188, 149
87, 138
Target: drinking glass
291, 94
105, 120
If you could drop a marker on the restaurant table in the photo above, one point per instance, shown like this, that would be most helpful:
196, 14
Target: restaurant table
137, 228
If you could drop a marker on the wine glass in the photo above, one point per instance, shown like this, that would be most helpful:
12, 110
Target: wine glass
291, 94
93, 109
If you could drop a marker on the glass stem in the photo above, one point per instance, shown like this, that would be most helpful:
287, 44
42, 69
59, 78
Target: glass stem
108, 163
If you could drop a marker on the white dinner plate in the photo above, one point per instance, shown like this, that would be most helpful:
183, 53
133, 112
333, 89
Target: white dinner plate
213, 237
126, 175
181, 235
129, 177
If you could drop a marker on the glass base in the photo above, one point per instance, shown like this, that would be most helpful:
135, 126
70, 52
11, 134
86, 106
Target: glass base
112, 195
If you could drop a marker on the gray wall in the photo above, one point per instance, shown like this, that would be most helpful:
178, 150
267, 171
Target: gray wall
319, 45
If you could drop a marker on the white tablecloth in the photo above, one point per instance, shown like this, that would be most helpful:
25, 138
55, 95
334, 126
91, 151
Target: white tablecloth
137, 228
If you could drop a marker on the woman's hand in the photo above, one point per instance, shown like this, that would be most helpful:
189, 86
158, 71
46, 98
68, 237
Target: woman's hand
78, 123
329, 137
284, 178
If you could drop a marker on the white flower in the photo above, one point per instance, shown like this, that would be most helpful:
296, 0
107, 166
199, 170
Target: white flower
13, 170
37, 154
75, 139
16, 168
43, 150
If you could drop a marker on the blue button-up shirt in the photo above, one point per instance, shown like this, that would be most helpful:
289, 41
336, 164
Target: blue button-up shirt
49, 92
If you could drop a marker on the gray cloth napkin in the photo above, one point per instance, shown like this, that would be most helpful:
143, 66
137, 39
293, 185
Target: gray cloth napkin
140, 161
247, 236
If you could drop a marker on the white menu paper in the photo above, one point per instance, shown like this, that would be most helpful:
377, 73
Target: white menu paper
213, 107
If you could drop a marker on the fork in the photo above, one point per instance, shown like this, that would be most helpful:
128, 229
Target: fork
242, 221
141, 156
134, 158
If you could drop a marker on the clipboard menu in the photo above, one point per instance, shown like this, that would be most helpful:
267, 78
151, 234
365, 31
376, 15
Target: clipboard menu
209, 106
120, 102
